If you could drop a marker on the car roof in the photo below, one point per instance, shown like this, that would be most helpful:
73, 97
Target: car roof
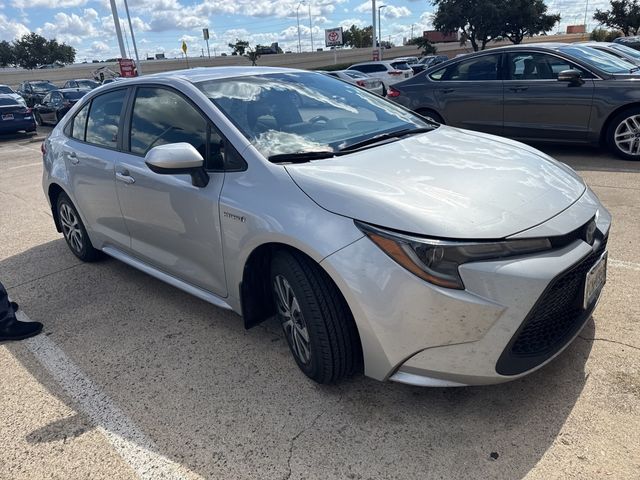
81, 79
69, 90
373, 62
202, 74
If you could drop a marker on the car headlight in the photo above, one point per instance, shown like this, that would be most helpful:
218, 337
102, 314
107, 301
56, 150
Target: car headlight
437, 261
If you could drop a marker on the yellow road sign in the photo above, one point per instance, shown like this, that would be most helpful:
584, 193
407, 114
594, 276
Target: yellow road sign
184, 46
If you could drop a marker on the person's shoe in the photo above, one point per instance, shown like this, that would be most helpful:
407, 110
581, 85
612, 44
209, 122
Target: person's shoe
17, 330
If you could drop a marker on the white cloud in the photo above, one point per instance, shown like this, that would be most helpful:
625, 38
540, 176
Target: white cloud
395, 12
71, 28
22, 4
11, 29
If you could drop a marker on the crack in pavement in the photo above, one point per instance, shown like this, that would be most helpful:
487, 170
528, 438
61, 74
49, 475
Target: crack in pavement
296, 436
44, 276
609, 341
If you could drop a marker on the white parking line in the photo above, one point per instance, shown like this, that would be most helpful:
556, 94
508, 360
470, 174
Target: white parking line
25, 166
623, 264
135, 448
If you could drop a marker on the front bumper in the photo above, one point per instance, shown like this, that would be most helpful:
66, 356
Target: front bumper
417, 333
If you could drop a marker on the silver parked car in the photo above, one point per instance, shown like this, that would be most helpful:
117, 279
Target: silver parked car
363, 80
415, 252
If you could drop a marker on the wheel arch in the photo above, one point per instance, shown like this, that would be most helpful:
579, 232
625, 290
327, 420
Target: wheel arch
53, 192
607, 123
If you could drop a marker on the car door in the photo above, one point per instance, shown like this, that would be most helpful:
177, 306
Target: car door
469, 93
537, 105
174, 225
90, 152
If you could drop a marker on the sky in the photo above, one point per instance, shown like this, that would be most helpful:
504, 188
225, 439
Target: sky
161, 25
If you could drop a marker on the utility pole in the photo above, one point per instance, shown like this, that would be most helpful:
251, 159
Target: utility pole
298, 20
116, 22
310, 26
373, 26
411, 38
586, 8
133, 39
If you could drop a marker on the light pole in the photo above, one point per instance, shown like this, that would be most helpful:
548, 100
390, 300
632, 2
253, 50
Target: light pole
298, 20
133, 39
310, 27
373, 27
380, 32
116, 23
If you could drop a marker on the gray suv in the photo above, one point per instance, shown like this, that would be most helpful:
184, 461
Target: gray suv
381, 242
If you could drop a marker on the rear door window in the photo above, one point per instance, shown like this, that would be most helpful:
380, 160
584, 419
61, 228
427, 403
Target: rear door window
80, 123
104, 119
480, 68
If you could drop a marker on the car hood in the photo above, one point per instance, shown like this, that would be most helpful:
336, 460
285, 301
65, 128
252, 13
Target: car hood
448, 183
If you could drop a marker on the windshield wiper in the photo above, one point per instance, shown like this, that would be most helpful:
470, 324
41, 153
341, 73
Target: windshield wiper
300, 157
385, 136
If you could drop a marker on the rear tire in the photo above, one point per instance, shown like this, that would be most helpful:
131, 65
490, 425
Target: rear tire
75, 234
430, 115
318, 324
623, 134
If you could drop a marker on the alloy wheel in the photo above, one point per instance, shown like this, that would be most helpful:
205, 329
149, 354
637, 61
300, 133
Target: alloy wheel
71, 227
292, 319
627, 135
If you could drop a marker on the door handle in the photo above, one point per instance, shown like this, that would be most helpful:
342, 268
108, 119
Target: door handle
73, 158
518, 89
125, 177
447, 90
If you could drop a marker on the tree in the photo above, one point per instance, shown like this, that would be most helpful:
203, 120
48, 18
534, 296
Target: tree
239, 47
526, 18
253, 55
358, 37
32, 50
7, 56
477, 21
624, 15
603, 35
423, 43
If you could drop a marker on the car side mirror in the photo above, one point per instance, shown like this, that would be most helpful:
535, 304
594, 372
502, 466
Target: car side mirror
178, 159
573, 77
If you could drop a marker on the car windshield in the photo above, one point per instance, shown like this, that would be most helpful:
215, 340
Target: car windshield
43, 86
626, 50
88, 83
602, 60
8, 101
4, 89
297, 112
401, 65
73, 95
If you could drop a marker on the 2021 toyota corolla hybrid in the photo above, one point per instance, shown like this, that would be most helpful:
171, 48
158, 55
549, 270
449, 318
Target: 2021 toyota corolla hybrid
415, 252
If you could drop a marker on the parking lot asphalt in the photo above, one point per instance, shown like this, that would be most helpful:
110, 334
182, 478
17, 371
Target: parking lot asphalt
135, 379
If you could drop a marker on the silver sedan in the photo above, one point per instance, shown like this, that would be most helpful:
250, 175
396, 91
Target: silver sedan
360, 79
383, 243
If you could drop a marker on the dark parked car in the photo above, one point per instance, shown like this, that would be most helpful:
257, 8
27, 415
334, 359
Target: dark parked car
633, 42
15, 116
83, 83
427, 62
537, 92
35, 90
56, 104
618, 49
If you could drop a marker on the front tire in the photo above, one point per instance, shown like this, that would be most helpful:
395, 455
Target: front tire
75, 234
623, 134
316, 320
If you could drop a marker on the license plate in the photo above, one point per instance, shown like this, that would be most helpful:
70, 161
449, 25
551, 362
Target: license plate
406, 75
594, 281
7, 116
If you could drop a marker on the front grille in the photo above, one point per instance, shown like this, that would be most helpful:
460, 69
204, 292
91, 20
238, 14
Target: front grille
552, 322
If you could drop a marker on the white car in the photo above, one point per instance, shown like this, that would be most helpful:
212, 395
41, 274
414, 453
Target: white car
408, 60
8, 92
389, 72
360, 79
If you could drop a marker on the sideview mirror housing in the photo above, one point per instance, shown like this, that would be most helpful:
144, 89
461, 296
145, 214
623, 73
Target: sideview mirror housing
178, 159
574, 77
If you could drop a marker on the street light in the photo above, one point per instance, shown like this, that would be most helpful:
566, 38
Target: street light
380, 32
298, 20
